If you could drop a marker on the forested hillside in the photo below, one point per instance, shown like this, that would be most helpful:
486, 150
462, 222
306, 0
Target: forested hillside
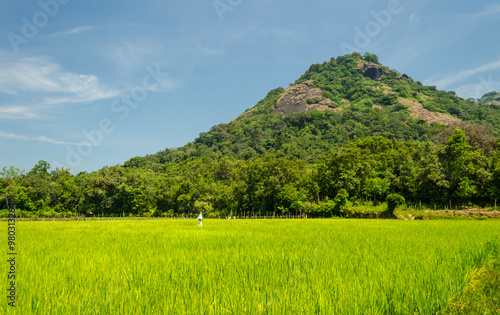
346, 132
392, 106
491, 98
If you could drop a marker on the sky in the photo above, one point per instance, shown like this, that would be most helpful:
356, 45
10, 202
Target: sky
88, 84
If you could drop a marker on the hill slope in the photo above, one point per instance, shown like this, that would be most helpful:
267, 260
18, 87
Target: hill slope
491, 98
333, 103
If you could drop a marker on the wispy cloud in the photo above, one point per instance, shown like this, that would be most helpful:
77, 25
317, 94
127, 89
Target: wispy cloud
491, 9
37, 74
462, 75
17, 112
73, 31
478, 89
45, 84
131, 55
38, 138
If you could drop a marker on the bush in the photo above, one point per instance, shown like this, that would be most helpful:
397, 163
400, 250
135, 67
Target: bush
370, 58
341, 202
394, 201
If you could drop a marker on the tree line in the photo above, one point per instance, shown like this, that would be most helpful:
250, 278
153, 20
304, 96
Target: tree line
367, 169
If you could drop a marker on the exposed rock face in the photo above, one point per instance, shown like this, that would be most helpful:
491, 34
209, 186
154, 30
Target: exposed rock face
417, 110
404, 77
245, 114
370, 70
303, 97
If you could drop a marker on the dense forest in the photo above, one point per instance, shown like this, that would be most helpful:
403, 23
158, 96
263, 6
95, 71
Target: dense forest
369, 146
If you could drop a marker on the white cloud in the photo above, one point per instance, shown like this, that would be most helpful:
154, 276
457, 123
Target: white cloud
413, 23
38, 138
477, 90
37, 74
130, 56
17, 112
462, 75
488, 10
76, 30
38, 83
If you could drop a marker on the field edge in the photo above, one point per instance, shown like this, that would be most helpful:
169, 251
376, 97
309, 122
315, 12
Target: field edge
481, 295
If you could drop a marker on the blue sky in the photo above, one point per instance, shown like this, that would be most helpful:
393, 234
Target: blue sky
87, 84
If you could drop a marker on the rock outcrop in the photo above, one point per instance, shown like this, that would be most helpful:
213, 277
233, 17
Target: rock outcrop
370, 70
303, 97
404, 77
418, 111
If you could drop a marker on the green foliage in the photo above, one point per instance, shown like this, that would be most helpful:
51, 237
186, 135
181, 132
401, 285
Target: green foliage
370, 57
464, 169
42, 167
341, 202
491, 98
394, 201
308, 163
480, 295
367, 169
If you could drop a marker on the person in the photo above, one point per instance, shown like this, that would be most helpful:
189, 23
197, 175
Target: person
200, 218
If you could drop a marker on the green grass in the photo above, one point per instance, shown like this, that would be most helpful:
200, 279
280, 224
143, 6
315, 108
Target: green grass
246, 266
482, 293
370, 207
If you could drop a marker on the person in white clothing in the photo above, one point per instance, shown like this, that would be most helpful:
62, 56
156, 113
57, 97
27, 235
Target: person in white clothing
200, 218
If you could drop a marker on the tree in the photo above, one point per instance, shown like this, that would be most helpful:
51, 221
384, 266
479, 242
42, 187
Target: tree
11, 173
370, 57
394, 201
288, 196
341, 201
479, 137
465, 170
494, 188
42, 167
376, 187
204, 207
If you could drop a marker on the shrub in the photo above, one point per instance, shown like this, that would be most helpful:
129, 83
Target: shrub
393, 201
341, 201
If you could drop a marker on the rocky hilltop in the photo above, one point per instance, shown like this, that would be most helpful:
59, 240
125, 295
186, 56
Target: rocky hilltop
370, 70
303, 97
337, 101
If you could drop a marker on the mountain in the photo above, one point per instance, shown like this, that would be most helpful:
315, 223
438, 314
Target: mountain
491, 98
348, 134
332, 104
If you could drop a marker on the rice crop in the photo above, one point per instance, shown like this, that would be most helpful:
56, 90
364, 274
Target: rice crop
312, 266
